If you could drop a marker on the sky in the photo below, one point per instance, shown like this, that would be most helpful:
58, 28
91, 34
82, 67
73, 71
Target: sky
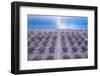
57, 22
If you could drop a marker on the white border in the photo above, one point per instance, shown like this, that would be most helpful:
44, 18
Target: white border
26, 65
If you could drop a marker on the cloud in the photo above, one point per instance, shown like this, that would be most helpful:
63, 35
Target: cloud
59, 23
